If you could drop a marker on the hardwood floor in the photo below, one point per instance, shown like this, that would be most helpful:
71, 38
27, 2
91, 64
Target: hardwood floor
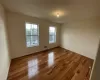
54, 64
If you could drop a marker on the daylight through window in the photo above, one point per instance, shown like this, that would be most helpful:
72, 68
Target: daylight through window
32, 35
52, 34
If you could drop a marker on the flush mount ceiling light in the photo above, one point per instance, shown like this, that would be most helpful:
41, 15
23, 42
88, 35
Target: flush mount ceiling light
58, 13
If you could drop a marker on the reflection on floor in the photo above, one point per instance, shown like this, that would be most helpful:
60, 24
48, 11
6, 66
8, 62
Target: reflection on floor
54, 64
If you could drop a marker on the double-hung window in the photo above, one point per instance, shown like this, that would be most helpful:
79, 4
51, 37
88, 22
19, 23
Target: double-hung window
32, 35
52, 34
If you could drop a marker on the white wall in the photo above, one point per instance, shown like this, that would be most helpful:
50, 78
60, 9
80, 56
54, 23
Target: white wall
81, 36
96, 68
16, 30
4, 55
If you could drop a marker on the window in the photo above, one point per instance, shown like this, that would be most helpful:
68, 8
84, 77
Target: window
32, 35
52, 34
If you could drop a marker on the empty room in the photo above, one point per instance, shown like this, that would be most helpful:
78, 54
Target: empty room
49, 39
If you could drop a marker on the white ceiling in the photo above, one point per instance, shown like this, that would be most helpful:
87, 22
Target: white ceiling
47, 9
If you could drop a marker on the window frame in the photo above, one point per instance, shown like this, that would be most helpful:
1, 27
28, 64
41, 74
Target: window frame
32, 35
55, 35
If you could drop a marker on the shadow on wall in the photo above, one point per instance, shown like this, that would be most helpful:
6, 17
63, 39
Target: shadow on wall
96, 69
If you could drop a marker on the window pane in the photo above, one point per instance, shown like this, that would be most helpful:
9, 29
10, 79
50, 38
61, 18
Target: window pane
52, 39
52, 29
32, 35
34, 40
34, 29
52, 35
28, 29
28, 41
34, 32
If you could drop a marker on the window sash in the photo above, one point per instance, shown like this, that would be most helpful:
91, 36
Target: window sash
32, 38
52, 36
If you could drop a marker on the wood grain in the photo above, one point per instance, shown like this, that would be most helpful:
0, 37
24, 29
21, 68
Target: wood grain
54, 64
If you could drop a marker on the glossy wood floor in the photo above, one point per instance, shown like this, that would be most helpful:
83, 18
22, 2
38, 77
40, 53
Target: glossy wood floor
55, 64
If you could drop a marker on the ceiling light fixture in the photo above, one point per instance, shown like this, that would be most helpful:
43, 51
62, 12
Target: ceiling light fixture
58, 15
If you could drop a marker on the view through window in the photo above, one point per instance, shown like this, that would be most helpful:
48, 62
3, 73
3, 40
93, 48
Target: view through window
52, 34
32, 35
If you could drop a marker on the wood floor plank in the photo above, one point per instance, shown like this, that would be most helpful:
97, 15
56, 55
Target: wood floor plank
54, 64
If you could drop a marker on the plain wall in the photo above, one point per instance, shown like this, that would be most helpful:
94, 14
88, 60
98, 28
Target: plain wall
96, 68
16, 30
81, 36
4, 51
